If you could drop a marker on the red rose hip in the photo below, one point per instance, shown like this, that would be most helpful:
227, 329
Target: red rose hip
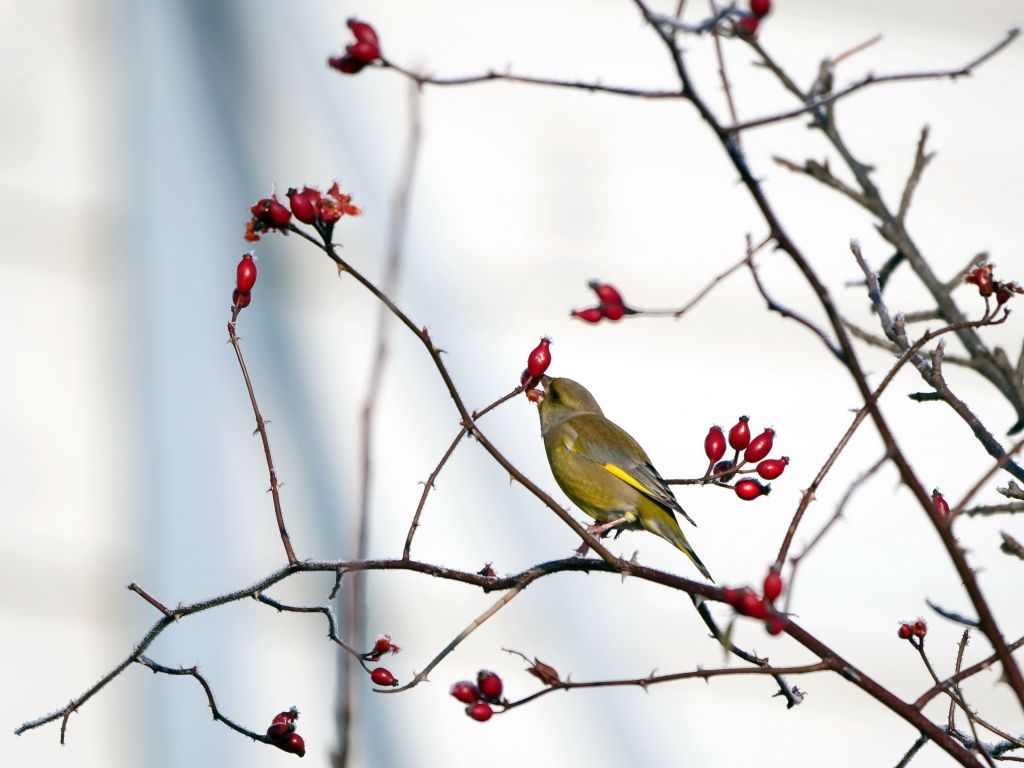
760, 446
940, 503
589, 315
772, 585
748, 489
739, 435
382, 676
480, 712
490, 685
363, 32
540, 358
466, 692
770, 469
714, 444
760, 8
302, 206
245, 274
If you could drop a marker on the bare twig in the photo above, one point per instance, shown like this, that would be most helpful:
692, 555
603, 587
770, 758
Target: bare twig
261, 427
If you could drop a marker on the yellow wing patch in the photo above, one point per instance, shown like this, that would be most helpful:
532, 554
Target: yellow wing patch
627, 478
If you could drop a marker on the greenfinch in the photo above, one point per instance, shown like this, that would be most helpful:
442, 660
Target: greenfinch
603, 470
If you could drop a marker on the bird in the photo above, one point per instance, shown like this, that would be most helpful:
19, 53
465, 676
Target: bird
603, 470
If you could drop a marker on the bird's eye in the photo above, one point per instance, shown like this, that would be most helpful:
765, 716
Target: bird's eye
553, 394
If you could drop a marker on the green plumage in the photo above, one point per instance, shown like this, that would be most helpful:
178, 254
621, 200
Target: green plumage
603, 470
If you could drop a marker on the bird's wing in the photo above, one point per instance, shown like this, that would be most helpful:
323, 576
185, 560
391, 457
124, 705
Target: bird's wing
629, 462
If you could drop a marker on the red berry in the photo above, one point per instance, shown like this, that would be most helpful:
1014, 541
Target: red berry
381, 676
613, 311
940, 503
295, 745
540, 358
772, 585
302, 206
606, 293
278, 731
732, 596
920, 628
363, 51
760, 8
769, 469
752, 605
289, 716
905, 631
739, 435
490, 685
775, 625
363, 32
981, 276
346, 64
480, 712
466, 692
240, 300
714, 444
245, 274
589, 315
747, 26
748, 489
277, 214
760, 446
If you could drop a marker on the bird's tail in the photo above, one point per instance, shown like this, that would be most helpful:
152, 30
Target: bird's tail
663, 523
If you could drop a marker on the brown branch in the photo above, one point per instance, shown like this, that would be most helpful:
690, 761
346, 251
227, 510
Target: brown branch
921, 160
261, 427
332, 624
492, 76
982, 665
152, 600
652, 679
1012, 508
217, 714
868, 80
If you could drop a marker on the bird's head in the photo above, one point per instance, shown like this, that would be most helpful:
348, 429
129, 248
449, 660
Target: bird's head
563, 399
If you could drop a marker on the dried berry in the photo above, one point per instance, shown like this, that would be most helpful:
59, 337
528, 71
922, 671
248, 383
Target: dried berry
920, 628
981, 276
714, 444
540, 358
760, 8
739, 435
772, 585
490, 685
770, 469
760, 446
480, 712
466, 692
905, 631
748, 489
382, 676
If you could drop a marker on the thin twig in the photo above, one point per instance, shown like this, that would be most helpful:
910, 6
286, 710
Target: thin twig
261, 427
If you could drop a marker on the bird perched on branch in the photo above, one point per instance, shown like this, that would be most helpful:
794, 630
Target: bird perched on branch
603, 470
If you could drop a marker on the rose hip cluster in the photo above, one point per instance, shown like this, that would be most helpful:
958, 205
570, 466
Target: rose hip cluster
309, 206
755, 452
981, 276
913, 629
747, 603
282, 735
365, 50
611, 306
245, 279
478, 697
381, 675
536, 364
747, 23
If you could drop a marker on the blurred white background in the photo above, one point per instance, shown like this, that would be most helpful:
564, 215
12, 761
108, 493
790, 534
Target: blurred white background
134, 138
